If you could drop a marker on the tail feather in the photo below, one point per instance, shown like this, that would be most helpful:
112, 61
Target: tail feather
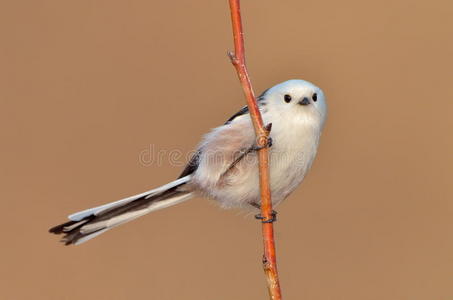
89, 223
96, 210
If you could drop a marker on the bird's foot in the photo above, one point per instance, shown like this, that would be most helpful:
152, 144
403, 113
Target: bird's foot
271, 220
268, 144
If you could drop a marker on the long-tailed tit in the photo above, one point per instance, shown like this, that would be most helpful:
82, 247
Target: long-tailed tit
225, 166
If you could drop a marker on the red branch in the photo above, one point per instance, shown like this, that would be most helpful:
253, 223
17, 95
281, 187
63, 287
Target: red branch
262, 133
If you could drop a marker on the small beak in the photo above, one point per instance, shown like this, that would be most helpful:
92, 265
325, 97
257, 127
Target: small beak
304, 101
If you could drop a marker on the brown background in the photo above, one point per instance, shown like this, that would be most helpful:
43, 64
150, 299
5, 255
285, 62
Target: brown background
86, 86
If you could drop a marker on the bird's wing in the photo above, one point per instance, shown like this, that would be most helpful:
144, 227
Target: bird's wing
192, 166
221, 148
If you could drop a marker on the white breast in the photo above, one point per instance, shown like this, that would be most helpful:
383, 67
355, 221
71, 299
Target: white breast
296, 141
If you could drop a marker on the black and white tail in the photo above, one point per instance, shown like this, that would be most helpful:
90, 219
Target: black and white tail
90, 223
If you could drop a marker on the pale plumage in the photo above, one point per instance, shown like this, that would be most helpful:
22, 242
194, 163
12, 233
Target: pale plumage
225, 167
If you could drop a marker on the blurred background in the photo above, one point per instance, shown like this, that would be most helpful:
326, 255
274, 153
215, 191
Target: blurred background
90, 89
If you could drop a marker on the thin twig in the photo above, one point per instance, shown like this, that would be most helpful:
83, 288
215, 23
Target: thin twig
238, 61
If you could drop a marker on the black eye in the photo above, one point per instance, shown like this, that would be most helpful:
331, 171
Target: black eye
314, 97
287, 98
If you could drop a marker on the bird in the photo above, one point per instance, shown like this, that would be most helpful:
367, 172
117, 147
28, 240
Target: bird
225, 165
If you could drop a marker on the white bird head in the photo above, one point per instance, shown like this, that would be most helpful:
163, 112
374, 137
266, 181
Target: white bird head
297, 99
